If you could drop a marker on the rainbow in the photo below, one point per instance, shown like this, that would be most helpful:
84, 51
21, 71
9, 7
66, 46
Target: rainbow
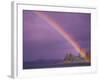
66, 35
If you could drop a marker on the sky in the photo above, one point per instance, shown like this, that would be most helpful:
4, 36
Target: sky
42, 41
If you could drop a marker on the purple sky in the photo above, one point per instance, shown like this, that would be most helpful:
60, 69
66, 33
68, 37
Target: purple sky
41, 41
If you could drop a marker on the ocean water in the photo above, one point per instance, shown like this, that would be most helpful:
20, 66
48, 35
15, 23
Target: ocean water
52, 64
